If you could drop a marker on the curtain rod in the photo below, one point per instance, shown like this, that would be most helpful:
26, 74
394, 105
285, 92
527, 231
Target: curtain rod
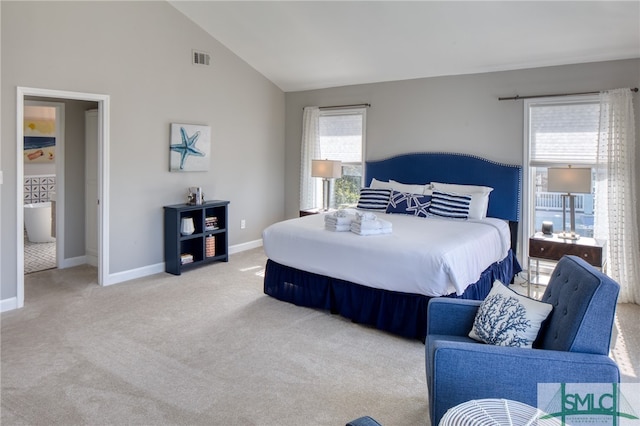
515, 98
345, 106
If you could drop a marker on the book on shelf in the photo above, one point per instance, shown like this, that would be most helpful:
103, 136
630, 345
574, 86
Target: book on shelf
186, 258
210, 223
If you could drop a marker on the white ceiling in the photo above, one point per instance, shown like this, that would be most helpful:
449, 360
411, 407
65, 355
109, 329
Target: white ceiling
302, 45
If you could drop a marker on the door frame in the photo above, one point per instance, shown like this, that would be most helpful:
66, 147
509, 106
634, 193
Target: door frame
103, 178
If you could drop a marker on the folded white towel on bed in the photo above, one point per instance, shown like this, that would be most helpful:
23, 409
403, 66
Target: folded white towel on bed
372, 224
331, 220
337, 228
378, 231
372, 227
340, 217
365, 216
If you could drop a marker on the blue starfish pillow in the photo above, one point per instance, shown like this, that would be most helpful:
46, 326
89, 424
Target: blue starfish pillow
506, 318
411, 204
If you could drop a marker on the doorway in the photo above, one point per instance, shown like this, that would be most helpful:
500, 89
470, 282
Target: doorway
43, 156
102, 201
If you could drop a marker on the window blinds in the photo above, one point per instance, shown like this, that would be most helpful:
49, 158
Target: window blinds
563, 133
341, 137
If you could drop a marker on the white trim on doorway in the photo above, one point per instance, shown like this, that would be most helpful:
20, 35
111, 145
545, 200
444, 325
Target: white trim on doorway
103, 177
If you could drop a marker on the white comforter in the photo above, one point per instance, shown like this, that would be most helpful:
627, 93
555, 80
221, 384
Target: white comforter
429, 256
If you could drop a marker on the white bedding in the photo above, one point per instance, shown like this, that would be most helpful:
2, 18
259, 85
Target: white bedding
428, 256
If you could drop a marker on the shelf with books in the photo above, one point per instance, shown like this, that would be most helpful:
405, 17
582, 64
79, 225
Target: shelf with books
207, 242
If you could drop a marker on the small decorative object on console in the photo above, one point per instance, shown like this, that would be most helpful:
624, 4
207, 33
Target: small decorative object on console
187, 227
195, 196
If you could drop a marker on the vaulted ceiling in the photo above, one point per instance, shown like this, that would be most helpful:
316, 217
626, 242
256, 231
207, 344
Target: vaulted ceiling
302, 45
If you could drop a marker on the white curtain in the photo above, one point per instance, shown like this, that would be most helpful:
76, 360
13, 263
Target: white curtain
310, 192
616, 218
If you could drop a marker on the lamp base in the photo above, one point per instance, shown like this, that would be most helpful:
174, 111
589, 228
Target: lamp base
325, 194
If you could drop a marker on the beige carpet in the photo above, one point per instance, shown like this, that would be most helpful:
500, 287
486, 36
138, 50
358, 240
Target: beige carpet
205, 348
208, 348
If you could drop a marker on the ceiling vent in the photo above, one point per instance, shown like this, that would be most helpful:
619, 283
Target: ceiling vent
200, 58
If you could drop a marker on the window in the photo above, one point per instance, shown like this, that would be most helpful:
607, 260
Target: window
561, 132
342, 138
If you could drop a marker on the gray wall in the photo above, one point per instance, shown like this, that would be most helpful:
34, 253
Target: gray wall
453, 114
139, 54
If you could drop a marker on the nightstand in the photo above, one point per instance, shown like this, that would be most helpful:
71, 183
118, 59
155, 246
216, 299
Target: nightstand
314, 211
550, 247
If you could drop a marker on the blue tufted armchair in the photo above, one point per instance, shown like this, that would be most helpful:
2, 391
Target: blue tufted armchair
572, 346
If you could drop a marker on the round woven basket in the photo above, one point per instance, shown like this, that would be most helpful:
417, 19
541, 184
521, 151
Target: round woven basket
494, 412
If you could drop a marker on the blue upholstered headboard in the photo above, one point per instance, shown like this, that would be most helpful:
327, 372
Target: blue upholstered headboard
420, 168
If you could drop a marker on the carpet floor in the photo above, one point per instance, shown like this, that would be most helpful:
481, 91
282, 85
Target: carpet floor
208, 348
204, 348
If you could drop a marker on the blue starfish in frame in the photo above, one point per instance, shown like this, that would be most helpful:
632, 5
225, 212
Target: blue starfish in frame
187, 147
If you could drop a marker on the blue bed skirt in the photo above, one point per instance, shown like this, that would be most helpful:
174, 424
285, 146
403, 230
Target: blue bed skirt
403, 314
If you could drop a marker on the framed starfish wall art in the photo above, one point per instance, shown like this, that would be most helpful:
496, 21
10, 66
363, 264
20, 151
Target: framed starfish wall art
190, 148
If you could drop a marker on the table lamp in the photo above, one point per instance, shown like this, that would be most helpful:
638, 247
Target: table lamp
570, 180
327, 170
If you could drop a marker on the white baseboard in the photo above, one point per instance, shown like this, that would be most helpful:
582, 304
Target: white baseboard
132, 274
92, 259
73, 261
158, 268
8, 304
237, 248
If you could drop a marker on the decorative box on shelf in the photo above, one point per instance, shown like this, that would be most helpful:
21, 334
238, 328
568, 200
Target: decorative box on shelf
210, 246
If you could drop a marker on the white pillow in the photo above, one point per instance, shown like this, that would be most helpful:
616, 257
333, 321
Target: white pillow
506, 318
406, 187
380, 184
479, 196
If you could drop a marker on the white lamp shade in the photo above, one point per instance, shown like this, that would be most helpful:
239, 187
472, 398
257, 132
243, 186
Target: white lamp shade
569, 180
326, 168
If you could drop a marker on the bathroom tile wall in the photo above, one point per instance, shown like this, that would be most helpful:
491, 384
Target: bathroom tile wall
39, 189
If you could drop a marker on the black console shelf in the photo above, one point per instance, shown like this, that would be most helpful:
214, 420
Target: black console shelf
209, 241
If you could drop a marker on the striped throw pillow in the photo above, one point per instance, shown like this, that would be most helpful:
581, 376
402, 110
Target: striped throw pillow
453, 206
374, 199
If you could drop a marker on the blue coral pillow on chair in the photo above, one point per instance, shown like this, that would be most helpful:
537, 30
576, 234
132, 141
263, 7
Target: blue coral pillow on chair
506, 318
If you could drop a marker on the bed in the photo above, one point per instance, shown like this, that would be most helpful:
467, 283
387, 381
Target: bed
386, 281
